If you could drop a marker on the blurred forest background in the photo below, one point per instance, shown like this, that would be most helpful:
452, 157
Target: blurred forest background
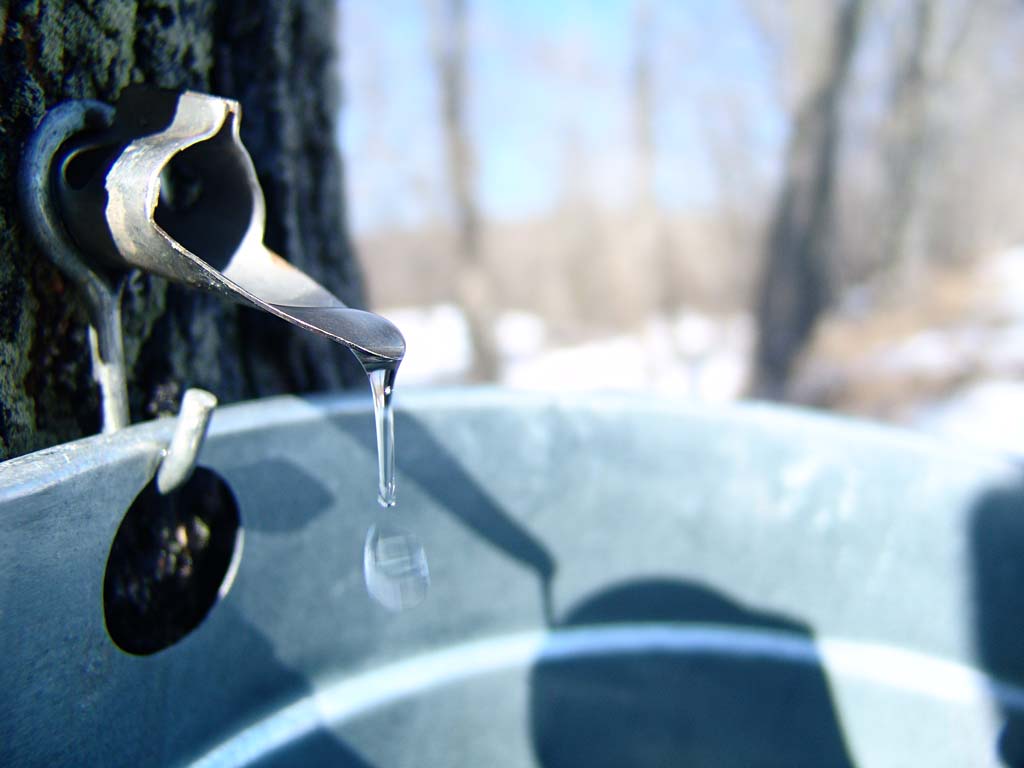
815, 201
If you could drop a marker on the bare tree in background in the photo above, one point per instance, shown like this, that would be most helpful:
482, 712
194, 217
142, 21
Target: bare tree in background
910, 126
641, 78
795, 284
449, 22
653, 236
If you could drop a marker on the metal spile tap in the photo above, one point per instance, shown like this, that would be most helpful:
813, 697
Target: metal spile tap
164, 184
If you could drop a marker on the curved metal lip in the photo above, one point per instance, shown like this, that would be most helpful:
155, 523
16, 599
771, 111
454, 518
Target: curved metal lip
44, 467
254, 275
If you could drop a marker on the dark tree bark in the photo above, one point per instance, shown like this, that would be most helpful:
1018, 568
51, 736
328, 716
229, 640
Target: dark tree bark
276, 58
796, 284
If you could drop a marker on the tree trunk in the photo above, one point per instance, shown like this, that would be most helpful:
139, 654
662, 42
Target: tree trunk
449, 20
795, 285
277, 59
911, 139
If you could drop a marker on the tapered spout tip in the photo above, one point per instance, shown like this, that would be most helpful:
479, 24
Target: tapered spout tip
375, 340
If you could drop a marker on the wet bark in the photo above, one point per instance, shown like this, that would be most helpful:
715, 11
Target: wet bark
277, 59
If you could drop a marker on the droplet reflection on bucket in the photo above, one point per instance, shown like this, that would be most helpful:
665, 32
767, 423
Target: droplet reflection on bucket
395, 567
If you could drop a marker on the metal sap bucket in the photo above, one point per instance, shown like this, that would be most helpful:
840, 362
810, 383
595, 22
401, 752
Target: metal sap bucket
615, 581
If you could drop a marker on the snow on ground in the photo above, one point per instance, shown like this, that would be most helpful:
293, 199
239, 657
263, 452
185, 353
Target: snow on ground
1003, 275
954, 351
692, 354
988, 411
988, 415
520, 336
707, 357
437, 345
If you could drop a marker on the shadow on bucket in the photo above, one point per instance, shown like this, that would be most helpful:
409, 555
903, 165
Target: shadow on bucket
683, 704
997, 544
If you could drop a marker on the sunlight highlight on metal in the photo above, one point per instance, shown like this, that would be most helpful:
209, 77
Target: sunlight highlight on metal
336, 703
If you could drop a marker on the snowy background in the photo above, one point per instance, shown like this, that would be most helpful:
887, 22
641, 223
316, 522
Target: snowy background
973, 363
625, 163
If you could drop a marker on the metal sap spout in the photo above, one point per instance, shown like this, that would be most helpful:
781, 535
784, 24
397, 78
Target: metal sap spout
179, 196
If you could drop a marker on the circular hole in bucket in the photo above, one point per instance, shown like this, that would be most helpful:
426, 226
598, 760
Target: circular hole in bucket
173, 557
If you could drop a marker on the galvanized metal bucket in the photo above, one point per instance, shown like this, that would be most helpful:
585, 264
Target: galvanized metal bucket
614, 581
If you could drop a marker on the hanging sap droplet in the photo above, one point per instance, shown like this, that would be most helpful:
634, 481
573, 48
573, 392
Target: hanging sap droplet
381, 383
395, 567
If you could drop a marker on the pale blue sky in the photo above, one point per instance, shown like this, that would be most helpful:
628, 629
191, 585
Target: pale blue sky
549, 104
